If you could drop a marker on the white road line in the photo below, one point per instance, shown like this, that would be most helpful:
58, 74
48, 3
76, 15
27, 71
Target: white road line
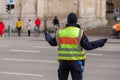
21, 74
44, 47
26, 60
93, 54
5, 45
110, 49
25, 51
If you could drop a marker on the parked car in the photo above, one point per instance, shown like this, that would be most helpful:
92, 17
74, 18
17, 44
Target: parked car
116, 30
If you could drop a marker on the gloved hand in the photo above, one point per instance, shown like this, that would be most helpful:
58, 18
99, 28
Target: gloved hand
48, 37
103, 41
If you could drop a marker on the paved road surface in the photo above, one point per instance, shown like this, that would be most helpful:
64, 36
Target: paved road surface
31, 58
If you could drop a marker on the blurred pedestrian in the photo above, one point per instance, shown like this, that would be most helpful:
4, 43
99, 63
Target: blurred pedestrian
117, 13
19, 25
71, 42
56, 23
2, 29
29, 27
37, 25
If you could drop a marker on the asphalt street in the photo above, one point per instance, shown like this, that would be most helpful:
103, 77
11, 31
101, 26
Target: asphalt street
32, 58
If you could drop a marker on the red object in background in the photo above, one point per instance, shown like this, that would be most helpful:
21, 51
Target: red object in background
37, 22
2, 26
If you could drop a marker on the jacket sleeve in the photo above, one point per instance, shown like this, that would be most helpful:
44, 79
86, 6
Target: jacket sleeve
84, 42
93, 44
51, 40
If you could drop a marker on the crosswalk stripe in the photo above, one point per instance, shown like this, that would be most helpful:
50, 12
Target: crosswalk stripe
21, 74
13, 50
27, 60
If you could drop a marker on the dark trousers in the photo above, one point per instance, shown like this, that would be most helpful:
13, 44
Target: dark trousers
70, 66
29, 32
19, 31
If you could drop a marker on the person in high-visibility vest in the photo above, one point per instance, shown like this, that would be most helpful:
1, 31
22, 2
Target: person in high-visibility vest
71, 42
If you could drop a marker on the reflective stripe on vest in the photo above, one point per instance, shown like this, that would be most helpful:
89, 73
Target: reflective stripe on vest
69, 44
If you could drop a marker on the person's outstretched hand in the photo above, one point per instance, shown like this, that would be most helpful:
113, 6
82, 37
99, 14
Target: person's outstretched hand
103, 41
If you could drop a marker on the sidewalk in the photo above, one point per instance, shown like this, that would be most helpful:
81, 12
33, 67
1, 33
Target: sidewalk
25, 36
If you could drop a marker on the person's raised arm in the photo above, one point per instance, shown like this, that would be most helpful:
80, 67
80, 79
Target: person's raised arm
52, 41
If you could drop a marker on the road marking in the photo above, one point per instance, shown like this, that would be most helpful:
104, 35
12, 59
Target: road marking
25, 51
21, 74
44, 47
110, 49
5, 45
26, 60
93, 54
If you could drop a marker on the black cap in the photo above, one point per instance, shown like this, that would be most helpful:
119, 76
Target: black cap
72, 18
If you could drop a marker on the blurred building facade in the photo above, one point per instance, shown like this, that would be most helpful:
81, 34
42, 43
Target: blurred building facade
91, 13
115, 2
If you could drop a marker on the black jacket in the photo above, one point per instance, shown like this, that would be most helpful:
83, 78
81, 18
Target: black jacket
85, 43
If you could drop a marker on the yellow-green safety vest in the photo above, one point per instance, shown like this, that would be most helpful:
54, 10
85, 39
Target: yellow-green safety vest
68, 40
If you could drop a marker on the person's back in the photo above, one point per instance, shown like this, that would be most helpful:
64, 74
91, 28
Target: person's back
55, 21
29, 25
2, 28
19, 24
37, 26
71, 41
37, 22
